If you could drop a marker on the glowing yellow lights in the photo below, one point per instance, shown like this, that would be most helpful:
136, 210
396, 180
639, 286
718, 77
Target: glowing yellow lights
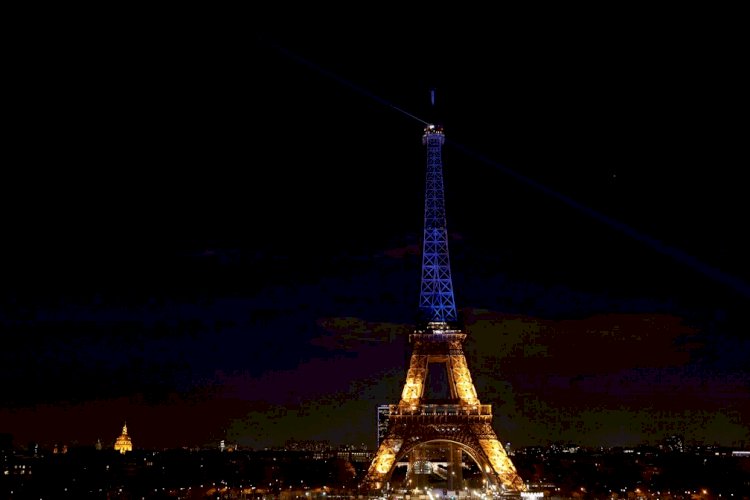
386, 457
420, 418
464, 385
415, 377
504, 468
123, 444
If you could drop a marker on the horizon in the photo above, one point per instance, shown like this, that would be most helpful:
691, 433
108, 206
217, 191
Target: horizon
294, 445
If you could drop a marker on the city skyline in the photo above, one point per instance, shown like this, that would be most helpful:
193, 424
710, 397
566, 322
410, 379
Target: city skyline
237, 254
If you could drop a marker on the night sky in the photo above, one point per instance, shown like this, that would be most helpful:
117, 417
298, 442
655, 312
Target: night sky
214, 234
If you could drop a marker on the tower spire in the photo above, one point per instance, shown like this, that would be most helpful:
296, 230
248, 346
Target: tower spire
437, 304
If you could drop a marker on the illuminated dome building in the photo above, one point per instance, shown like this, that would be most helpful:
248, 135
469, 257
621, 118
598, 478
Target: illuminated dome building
123, 443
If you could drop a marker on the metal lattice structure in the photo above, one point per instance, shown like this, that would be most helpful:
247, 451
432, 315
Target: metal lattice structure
436, 300
459, 426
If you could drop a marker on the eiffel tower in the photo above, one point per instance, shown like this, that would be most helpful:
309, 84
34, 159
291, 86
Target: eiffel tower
444, 440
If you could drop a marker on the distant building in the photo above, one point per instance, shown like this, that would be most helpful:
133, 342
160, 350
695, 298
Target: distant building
673, 443
384, 414
307, 445
56, 449
361, 456
123, 444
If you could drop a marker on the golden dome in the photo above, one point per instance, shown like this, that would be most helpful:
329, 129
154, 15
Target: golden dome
123, 443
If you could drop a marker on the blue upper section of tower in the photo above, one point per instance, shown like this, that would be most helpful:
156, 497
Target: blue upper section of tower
437, 303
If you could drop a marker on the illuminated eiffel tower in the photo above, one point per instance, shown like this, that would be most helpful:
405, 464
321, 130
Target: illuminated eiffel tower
439, 441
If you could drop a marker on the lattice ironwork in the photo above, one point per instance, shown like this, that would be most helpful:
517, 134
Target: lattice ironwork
417, 421
436, 300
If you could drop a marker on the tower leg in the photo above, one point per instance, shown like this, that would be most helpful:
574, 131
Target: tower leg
417, 459
455, 471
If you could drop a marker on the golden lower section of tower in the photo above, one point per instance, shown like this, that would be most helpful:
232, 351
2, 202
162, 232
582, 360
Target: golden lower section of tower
415, 433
